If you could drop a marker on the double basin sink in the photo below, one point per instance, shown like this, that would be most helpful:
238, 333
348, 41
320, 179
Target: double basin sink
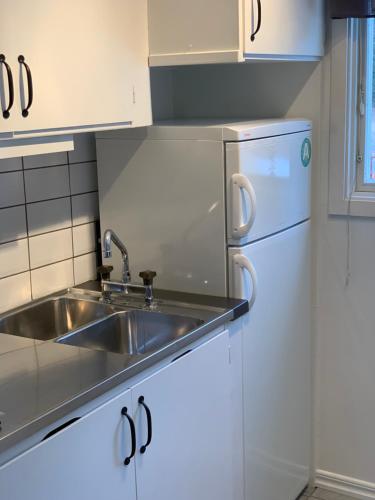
96, 325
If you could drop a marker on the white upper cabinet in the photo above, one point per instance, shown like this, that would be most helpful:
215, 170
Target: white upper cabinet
76, 65
288, 29
216, 31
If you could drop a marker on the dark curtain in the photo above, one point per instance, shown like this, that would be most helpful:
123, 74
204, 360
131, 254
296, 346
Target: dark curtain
351, 8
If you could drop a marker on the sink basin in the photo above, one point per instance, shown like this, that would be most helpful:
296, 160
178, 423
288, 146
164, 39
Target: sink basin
134, 332
53, 317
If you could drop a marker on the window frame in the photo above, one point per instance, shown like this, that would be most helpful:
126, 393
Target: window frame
347, 192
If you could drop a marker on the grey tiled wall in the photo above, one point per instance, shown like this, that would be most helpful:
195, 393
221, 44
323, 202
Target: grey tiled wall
48, 213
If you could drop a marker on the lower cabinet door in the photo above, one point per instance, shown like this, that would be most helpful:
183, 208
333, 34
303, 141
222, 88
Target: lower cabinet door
85, 461
189, 456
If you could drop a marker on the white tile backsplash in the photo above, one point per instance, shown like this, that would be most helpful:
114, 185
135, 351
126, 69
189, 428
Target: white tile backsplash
52, 278
48, 216
11, 189
83, 177
48, 160
84, 240
46, 183
10, 164
36, 233
14, 291
85, 208
85, 268
50, 247
12, 223
14, 258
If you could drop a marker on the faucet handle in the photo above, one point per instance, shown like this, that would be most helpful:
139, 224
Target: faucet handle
105, 272
148, 277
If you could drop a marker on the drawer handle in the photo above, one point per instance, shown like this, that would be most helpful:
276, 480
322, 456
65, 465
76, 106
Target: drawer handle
6, 112
253, 35
124, 412
141, 401
25, 111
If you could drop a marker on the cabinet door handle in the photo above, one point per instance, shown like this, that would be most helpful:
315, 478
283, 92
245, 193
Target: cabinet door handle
141, 401
6, 112
253, 35
25, 111
124, 412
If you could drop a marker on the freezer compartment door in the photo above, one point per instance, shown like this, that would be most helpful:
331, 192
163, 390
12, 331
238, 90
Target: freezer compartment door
276, 362
268, 185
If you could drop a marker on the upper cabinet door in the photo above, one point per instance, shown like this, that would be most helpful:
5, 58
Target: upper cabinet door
10, 117
284, 29
195, 32
84, 461
77, 63
190, 452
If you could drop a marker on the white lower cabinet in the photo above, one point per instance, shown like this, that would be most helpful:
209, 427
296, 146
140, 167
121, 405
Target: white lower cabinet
190, 453
187, 456
85, 461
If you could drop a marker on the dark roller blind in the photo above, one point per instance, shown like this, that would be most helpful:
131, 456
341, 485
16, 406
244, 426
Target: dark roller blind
351, 8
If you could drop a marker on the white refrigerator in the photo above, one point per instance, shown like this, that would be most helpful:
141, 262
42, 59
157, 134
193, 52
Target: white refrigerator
223, 209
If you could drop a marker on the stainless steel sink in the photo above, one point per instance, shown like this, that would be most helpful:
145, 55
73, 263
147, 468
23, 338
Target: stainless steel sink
133, 332
84, 322
53, 317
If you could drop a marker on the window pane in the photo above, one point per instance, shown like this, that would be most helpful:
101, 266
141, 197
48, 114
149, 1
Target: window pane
369, 112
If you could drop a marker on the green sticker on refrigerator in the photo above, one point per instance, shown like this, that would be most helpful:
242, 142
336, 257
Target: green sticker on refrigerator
306, 152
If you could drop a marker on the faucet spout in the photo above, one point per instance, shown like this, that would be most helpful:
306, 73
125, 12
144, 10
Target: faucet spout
111, 237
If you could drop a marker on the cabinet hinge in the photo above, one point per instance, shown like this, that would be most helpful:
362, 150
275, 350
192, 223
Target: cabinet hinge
229, 355
134, 97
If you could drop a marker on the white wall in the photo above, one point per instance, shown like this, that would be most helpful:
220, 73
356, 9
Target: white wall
162, 93
345, 437
346, 346
343, 326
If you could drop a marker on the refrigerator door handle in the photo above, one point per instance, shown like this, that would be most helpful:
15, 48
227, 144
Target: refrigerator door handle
241, 183
242, 262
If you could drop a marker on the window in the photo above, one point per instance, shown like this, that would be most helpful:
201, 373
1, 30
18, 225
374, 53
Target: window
352, 118
366, 108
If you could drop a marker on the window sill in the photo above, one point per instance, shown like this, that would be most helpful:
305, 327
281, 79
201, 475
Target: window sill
361, 204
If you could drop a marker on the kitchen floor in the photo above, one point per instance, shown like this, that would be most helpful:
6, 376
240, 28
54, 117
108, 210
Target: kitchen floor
320, 494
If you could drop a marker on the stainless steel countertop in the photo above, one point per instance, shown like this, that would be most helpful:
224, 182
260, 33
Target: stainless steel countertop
41, 382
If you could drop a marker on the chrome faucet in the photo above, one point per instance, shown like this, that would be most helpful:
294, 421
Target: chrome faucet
125, 286
109, 237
